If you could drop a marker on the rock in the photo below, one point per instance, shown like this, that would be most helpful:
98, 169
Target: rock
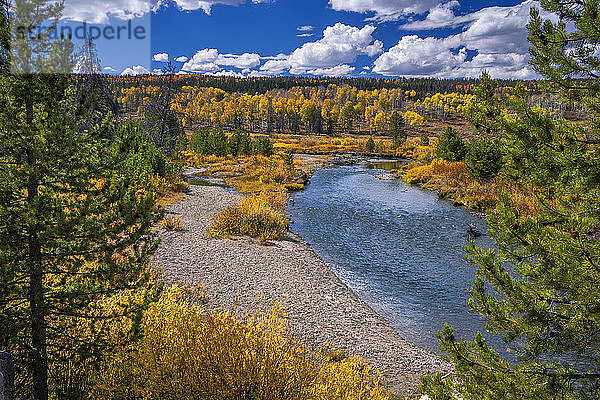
472, 232
385, 177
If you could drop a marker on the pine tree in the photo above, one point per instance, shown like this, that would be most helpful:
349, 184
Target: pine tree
450, 146
397, 128
87, 60
539, 287
92, 86
73, 229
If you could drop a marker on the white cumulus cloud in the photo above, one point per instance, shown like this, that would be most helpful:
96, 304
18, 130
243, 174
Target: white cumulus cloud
99, 11
229, 73
276, 66
203, 61
243, 61
161, 57
416, 56
181, 59
384, 10
135, 70
442, 15
341, 44
206, 5
338, 70
210, 61
497, 36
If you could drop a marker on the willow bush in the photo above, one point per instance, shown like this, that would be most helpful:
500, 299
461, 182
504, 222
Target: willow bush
260, 216
186, 353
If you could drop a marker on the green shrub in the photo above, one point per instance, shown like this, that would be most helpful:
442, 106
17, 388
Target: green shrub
142, 159
370, 145
424, 140
199, 141
240, 143
450, 146
484, 158
208, 142
218, 143
288, 159
263, 146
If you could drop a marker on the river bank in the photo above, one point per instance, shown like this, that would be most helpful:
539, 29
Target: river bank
320, 308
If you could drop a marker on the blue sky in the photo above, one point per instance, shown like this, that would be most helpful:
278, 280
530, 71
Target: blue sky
373, 38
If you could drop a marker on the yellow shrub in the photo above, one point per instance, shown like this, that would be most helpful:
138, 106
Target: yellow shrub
261, 216
188, 354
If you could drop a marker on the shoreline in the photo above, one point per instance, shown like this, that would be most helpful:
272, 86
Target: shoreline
320, 308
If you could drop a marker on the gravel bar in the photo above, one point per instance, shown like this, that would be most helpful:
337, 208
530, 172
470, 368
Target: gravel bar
320, 308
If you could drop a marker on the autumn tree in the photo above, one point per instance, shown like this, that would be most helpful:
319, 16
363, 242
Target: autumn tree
347, 116
538, 287
308, 114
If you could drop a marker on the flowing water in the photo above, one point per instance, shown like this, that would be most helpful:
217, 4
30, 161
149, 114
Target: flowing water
398, 247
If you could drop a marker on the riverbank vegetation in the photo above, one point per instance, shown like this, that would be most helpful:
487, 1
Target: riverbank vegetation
261, 216
472, 173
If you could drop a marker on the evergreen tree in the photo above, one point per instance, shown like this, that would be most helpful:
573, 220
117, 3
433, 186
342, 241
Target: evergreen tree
92, 86
539, 287
370, 145
484, 158
397, 128
73, 228
87, 60
450, 147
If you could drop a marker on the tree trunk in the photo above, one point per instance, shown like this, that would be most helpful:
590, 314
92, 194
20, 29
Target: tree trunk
36, 285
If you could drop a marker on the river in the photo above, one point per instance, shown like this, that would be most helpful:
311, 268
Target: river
397, 247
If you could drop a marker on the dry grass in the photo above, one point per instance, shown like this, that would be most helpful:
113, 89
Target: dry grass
169, 191
319, 144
